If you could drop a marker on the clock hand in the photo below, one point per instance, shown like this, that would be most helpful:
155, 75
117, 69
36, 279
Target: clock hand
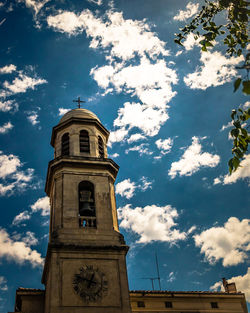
91, 280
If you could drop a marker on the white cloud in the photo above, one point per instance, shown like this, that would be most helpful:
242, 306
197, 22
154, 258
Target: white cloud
126, 188
192, 160
21, 176
228, 125
3, 285
22, 83
141, 149
117, 135
33, 118
43, 205
178, 53
7, 69
62, 111
145, 184
6, 128
11, 175
97, 2
6, 106
217, 181
165, 145
67, 22
228, 243
150, 82
9, 164
191, 10
191, 229
243, 172
190, 41
215, 71
147, 119
20, 218
242, 284
114, 155
36, 5
246, 105
151, 223
18, 251
30, 239
124, 38
171, 277
135, 137
6, 188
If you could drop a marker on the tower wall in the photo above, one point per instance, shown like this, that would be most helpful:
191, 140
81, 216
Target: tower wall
85, 268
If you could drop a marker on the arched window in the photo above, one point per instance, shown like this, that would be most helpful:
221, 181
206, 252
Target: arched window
100, 147
84, 141
65, 144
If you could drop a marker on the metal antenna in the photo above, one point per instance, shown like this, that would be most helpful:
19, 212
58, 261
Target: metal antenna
152, 280
158, 272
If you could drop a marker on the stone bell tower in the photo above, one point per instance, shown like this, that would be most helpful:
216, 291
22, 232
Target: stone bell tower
85, 267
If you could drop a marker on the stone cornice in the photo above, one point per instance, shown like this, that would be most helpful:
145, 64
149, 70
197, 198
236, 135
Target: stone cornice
78, 161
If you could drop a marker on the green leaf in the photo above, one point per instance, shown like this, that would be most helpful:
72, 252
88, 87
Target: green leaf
208, 44
237, 84
236, 163
237, 124
246, 87
244, 132
230, 165
233, 114
239, 52
177, 41
234, 132
204, 48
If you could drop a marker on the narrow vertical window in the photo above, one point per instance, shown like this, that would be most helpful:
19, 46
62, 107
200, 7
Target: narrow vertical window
84, 141
87, 214
100, 147
65, 144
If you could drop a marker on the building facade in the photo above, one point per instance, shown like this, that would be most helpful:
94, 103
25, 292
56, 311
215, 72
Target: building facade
85, 267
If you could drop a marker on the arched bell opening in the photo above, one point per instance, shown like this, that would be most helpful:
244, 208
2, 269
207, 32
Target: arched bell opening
87, 212
65, 144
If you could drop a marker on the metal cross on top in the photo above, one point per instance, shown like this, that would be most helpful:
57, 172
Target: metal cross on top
79, 101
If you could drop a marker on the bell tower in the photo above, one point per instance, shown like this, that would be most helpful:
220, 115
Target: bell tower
85, 267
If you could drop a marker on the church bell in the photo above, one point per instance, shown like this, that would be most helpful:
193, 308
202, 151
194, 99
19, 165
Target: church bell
85, 203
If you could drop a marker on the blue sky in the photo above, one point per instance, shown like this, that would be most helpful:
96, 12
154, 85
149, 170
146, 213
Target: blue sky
168, 111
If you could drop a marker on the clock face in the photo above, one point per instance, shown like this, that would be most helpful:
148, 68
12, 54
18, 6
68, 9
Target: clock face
90, 284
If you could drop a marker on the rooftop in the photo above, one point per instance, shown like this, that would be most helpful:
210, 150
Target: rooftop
79, 113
